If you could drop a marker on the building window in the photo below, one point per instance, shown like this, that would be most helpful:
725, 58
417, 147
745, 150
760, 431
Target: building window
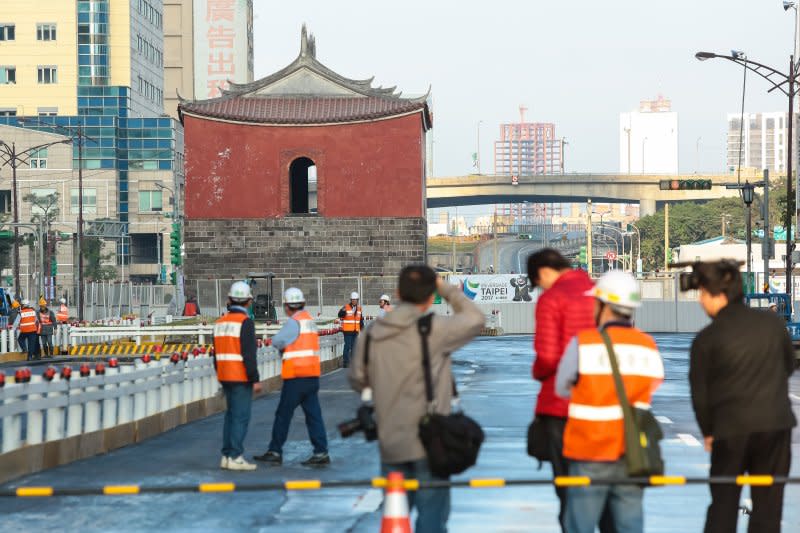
38, 158
150, 201
8, 112
45, 32
89, 201
46, 197
7, 32
47, 111
8, 75
303, 186
47, 75
5, 201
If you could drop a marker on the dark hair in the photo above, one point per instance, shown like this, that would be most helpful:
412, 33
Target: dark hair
546, 257
721, 277
416, 283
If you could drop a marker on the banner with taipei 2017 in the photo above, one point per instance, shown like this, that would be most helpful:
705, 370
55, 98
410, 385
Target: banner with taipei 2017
502, 288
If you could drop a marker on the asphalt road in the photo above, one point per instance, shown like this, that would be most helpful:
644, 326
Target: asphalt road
494, 377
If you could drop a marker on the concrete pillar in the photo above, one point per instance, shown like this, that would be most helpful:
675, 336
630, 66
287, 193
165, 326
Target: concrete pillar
647, 207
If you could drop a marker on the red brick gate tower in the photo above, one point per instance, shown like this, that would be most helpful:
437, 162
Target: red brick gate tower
304, 173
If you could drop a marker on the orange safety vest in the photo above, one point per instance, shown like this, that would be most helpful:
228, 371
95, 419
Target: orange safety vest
44, 318
351, 323
228, 347
62, 315
301, 358
594, 430
27, 321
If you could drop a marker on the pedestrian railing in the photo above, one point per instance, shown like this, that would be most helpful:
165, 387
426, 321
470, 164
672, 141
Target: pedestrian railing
63, 403
382, 483
8, 341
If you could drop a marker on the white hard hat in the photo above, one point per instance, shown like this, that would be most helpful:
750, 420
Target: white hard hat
25, 301
385, 298
617, 288
354, 295
240, 291
63, 301
293, 295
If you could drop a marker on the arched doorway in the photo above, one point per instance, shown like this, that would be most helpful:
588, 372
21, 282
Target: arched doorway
303, 186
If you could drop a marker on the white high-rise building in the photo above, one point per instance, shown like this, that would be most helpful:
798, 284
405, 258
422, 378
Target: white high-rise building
648, 139
763, 141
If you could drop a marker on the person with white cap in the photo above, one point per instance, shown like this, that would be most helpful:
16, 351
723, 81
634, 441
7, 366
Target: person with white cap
28, 326
385, 304
352, 318
62, 315
298, 342
594, 437
235, 359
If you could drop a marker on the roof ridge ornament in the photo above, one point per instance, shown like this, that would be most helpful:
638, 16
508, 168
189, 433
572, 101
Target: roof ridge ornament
308, 44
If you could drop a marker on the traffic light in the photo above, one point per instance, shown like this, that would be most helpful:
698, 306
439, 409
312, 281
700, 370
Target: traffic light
53, 267
175, 244
685, 185
582, 255
173, 279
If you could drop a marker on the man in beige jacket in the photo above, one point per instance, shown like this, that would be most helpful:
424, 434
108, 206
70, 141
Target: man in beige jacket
394, 372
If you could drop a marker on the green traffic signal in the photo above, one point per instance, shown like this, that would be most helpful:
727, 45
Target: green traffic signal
582, 255
175, 244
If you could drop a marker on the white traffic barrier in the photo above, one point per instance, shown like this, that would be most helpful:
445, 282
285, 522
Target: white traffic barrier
88, 403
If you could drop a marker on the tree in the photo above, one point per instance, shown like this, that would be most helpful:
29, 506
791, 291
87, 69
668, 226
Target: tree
93, 268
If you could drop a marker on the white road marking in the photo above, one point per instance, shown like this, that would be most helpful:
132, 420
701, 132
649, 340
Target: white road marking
369, 501
663, 419
689, 440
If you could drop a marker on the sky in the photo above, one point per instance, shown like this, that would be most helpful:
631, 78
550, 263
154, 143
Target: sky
576, 63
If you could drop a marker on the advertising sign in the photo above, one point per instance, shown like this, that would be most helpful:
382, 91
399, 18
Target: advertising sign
484, 288
223, 34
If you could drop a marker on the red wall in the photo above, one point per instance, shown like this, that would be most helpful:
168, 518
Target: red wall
372, 169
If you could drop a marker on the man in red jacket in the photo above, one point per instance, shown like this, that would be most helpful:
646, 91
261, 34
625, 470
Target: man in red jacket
563, 309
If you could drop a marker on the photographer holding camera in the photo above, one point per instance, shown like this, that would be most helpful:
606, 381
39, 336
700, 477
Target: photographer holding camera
739, 371
394, 373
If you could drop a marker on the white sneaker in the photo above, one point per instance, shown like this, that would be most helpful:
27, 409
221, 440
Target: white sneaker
224, 463
240, 464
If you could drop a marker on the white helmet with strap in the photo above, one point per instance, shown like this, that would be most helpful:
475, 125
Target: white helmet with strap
354, 295
240, 291
618, 289
293, 295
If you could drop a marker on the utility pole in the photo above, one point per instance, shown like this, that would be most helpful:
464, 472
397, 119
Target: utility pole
589, 235
495, 265
80, 223
666, 236
766, 242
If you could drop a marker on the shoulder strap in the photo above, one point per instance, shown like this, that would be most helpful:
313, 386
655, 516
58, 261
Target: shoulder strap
424, 328
627, 412
366, 350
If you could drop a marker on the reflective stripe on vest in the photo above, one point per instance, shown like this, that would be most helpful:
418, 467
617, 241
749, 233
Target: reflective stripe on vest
301, 358
594, 430
44, 318
63, 313
27, 321
352, 319
228, 348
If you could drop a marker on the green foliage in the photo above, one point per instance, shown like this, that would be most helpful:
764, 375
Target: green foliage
93, 267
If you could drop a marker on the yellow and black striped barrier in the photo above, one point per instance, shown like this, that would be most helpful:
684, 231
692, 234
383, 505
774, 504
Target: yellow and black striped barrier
131, 349
380, 483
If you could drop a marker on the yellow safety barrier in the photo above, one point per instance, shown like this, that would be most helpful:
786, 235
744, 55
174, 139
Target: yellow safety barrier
216, 487
380, 483
310, 484
132, 349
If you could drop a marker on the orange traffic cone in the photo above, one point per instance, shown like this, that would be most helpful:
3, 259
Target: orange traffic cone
395, 506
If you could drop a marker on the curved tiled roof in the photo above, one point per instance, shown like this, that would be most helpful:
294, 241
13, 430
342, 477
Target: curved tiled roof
303, 110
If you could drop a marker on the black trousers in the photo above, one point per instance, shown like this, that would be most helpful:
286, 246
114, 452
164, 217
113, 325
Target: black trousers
767, 453
555, 442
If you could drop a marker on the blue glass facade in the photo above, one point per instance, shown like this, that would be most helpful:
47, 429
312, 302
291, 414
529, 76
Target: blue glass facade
92, 42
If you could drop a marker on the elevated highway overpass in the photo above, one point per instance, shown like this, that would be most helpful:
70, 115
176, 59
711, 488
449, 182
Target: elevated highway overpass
480, 189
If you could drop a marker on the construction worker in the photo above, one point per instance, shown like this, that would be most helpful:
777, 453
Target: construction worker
14, 312
237, 371
352, 319
27, 323
298, 342
47, 319
62, 315
594, 438
190, 308
385, 304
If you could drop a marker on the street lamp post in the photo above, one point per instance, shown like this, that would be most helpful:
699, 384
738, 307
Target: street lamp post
644, 140
478, 148
785, 83
10, 156
628, 132
563, 144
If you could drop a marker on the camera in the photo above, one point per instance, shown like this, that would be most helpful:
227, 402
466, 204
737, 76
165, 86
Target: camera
690, 281
364, 421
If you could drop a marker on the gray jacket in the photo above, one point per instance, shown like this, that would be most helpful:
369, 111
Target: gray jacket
395, 370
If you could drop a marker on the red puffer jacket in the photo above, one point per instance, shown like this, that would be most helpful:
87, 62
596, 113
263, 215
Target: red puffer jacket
561, 312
